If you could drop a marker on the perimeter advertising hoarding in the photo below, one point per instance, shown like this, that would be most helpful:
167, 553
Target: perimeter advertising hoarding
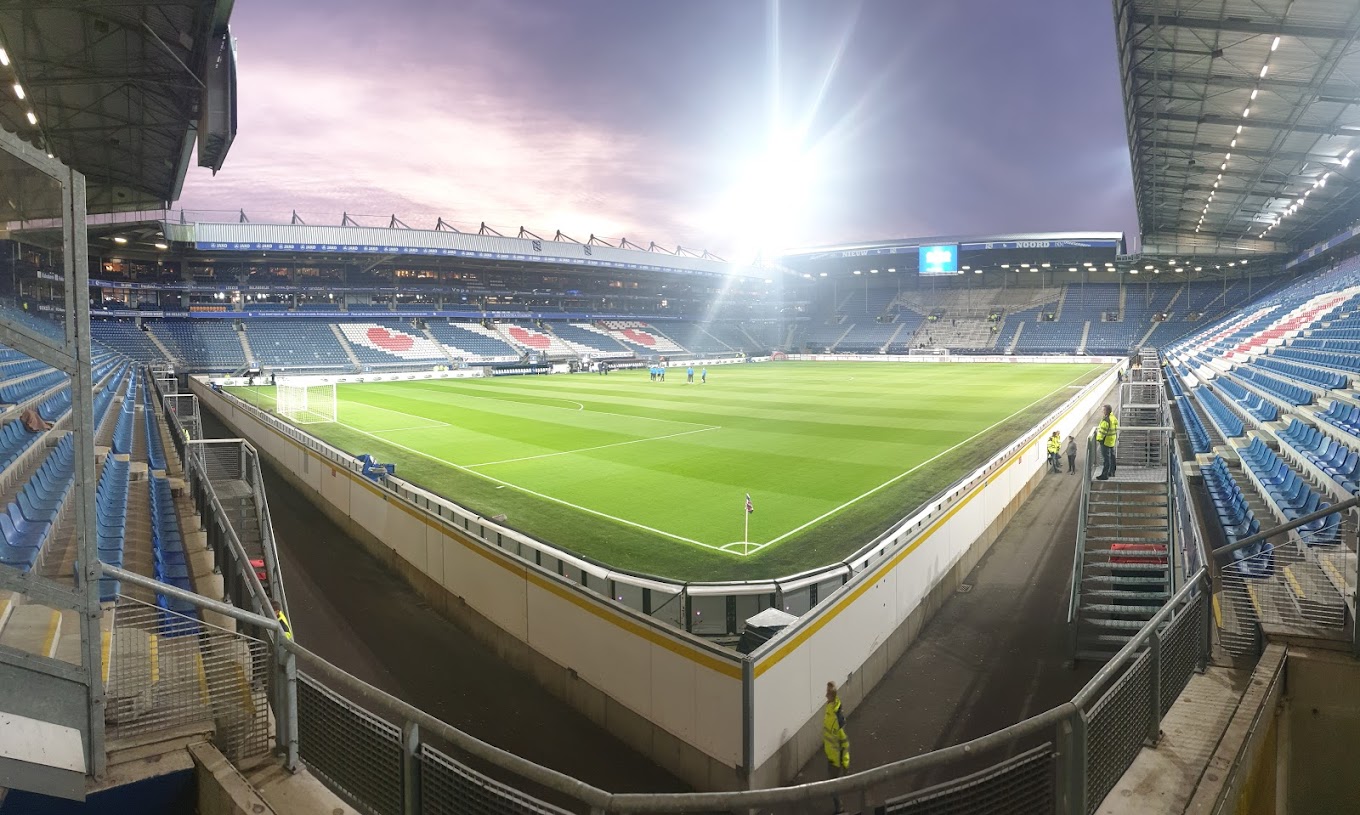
936, 260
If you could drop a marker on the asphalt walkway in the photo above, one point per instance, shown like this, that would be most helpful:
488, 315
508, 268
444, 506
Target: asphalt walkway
996, 653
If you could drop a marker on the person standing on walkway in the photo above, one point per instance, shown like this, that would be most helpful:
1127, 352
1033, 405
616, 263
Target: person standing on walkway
835, 743
1054, 445
1107, 434
1071, 455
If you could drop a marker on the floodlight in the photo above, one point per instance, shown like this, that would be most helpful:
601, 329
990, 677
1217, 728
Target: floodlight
857, 271
1264, 68
1045, 265
1275, 44
4, 57
162, 246
1148, 267
32, 118
1254, 91
893, 270
119, 239
1246, 111
823, 274
18, 90
1071, 268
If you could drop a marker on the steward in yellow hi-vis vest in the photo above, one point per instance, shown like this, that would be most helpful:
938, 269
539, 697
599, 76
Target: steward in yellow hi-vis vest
835, 743
1107, 435
284, 626
1054, 451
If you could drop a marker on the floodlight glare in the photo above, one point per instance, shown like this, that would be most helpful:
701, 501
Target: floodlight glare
1275, 44
4, 58
18, 90
32, 118
120, 240
162, 246
771, 197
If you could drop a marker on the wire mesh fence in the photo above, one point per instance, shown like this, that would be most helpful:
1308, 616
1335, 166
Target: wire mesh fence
169, 670
357, 753
1023, 785
1117, 725
448, 787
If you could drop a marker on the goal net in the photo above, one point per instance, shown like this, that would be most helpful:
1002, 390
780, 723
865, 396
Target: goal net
305, 402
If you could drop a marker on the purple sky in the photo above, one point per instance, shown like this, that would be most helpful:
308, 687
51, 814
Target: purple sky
642, 118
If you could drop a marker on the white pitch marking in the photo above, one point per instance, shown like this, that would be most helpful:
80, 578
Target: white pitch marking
598, 447
528, 491
418, 427
437, 423
900, 476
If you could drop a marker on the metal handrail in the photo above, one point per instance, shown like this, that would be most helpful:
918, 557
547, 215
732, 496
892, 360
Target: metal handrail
1223, 551
1079, 557
602, 801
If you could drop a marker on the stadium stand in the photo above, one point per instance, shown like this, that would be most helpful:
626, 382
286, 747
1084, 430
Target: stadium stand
206, 344
390, 342
127, 339
586, 339
472, 341
296, 343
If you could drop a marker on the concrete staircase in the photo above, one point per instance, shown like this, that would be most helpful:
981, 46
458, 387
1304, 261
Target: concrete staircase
429, 335
1126, 564
151, 335
245, 346
1085, 333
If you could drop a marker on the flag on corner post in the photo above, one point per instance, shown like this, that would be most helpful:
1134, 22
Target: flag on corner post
750, 507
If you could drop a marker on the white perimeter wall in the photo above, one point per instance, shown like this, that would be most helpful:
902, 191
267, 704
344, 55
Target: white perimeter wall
838, 637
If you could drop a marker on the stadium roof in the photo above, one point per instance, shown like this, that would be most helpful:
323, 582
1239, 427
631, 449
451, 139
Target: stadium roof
1035, 240
1243, 121
115, 89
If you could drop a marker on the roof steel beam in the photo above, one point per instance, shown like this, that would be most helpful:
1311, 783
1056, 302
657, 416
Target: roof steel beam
1242, 25
1260, 124
1245, 81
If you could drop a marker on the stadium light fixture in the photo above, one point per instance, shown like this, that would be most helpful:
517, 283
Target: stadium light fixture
1246, 111
4, 58
1133, 271
1232, 143
857, 271
1231, 263
32, 118
1254, 91
1180, 269
892, 269
1005, 265
1275, 44
1148, 267
1264, 68
1045, 265
823, 274
1024, 265
966, 268
119, 239
873, 271
1071, 268
977, 271
162, 246
1239, 130
1199, 268
19, 90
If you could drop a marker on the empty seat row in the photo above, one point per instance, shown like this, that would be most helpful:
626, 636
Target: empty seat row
1303, 373
155, 447
1194, 428
1343, 415
1349, 360
28, 388
27, 522
111, 504
1290, 493
171, 564
1250, 402
1335, 459
1237, 521
1293, 394
1229, 424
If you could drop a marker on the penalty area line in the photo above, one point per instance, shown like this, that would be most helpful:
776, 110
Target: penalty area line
540, 495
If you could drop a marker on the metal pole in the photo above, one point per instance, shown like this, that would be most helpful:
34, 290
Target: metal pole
1155, 684
1222, 551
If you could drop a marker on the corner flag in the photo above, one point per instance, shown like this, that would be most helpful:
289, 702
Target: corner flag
750, 507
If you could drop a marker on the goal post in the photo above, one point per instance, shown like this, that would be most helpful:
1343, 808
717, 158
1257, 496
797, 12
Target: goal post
305, 401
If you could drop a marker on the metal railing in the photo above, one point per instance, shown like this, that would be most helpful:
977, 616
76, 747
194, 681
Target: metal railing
1079, 556
385, 756
172, 670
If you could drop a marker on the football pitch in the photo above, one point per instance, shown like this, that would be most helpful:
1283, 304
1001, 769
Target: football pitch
653, 476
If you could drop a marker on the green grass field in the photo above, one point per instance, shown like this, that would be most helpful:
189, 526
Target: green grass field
653, 476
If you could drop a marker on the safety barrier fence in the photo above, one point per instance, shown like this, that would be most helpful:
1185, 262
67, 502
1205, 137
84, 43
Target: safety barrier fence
386, 757
172, 670
703, 608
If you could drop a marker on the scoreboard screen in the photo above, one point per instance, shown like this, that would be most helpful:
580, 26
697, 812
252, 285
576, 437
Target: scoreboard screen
934, 260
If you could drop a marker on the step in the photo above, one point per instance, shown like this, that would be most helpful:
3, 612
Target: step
1150, 537
1127, 581
1133, 522
1143, 611
68, 646
33, 628
1130, 567
1120, 625
1158, 597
